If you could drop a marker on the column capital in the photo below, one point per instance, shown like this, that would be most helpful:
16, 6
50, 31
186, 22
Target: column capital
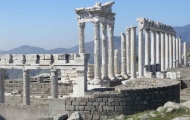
81, 25
104, 26
133, 27
128, 29
96, 25
111, 26
147, 30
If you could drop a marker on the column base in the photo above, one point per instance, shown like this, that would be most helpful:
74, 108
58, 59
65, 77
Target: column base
160, 75
140, 76
148, 75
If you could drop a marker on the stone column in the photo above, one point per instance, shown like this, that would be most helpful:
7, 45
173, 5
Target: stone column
147, 49
185, 53
162, 51
104, 52
133, 52
158, 57
97, 65
54, 84
116, 62
2, 92
81, 26
140, 54
174, 52
153, 50
177, 52
111, 52
123, 55
128, 39
170, 51
180, 51
26, 87
167, 52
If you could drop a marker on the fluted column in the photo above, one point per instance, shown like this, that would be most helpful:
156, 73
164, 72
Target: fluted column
170, 51
97, 68
116, 62
177, 52
174, 52
147, 48
158, 57
133, 52
81, 26
54, 84
111, 52
123, 55
26, 87
153, 50
185, 53
167, 51
104, 52
140, 54
162, 51
2, 92
180, 51
128, 43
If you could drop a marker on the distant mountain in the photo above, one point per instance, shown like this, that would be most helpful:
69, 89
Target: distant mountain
184, 32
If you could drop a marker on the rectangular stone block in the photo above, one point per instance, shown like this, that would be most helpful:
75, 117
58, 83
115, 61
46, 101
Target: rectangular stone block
89, 108
57, 104
105, 100
79, 108
108, 108
99, 108
118, 108
91, 99
98, 99
75, 103
69, 108
110, 99
82, 103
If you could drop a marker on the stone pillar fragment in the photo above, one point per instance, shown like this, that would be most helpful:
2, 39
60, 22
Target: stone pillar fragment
147, 49
167, 51
104, 52
170, 51
116, 62
111, 52
185, 53
54, 84
81, 26
177, 52
153, 50
162, 51
180, 51
2, 92
26, 87
128, 39
123, 55
133, 52
158, 57
174, 52
140, 54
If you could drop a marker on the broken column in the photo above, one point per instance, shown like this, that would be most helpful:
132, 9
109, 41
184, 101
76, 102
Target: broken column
2, 92
128, 39
26, 87
170, 51
140, 54
162, 51
166, 51
133, 52
153, 50
116, 62
147, 49
81, 26
174, 52
123, 55
54, 84
185, 53
158, 57
180, 51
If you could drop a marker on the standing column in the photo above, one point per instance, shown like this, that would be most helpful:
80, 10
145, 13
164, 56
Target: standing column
2, 92
174, 52
97, 68
185, 53
158, 57
123, 55
81, 26
54, 84
147, 49
153, 50
111, 52
128, 39
116, 62
26, 87
162, 51
133, 52
180, 52
104, 52
177, 52
140, 54
170, 52
167, 52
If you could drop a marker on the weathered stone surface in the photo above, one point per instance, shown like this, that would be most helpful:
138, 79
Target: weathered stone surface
75, 116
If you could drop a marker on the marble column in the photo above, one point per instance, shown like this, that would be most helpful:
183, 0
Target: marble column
158, 57
81, 26
177, 52
116, 62
104, 52
162, 51
54, 84
2, 92
97, 65
167, 52
133, 52
174, 52
153, 50
185, 53
140, 54
170, 51
111, 52
26, 87
123, 55
180, 51
128, 39
147, 49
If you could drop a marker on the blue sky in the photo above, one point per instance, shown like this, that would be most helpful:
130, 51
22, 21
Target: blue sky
51, 23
